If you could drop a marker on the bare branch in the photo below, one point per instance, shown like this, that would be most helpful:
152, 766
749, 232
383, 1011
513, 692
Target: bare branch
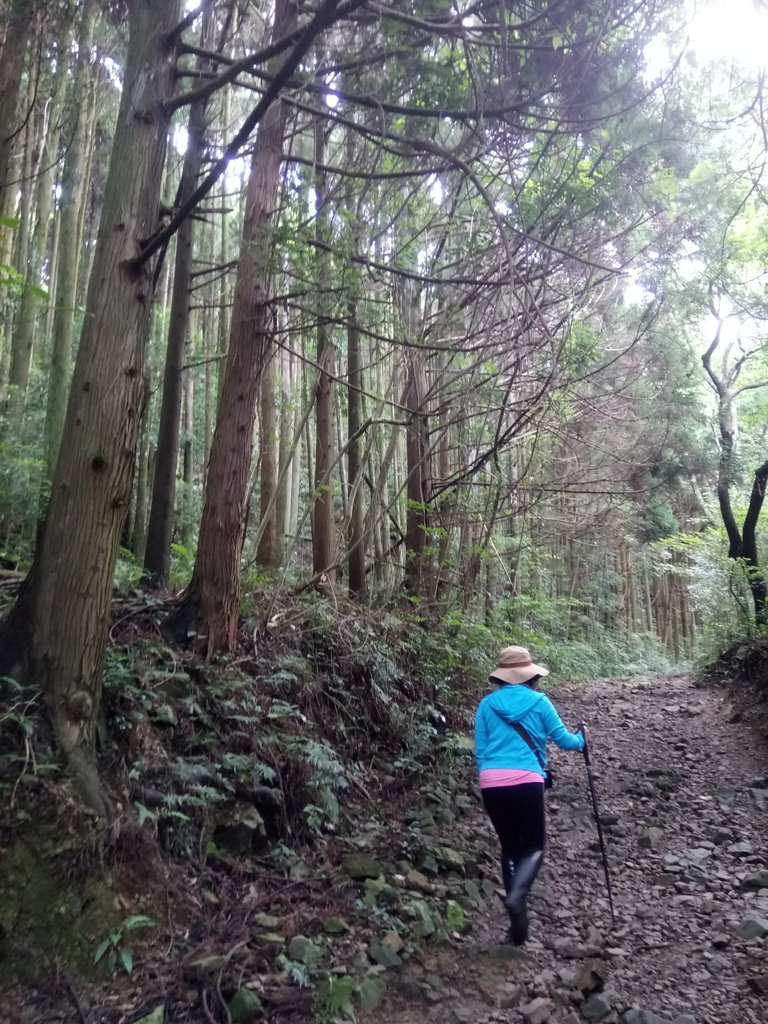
327, 15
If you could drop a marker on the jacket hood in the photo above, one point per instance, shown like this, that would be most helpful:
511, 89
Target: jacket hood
516, 699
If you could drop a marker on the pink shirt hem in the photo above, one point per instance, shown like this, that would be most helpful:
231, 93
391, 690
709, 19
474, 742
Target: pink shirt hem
490, 778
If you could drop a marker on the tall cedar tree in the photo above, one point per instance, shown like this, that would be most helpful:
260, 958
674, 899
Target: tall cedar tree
56, 632
210, 605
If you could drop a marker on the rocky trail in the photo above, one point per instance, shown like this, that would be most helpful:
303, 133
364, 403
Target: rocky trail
682, 778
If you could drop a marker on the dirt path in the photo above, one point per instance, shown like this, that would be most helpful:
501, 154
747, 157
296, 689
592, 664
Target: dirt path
683, 783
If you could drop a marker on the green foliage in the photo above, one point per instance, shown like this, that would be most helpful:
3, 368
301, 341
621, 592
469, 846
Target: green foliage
128, 571
182, 564
21, 474
719, 590
113, 947
327, 780
656, 519
333, 998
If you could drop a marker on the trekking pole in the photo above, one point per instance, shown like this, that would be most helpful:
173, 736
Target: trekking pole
600, 837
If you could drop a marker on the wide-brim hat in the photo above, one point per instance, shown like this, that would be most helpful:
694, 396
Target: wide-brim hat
516, 666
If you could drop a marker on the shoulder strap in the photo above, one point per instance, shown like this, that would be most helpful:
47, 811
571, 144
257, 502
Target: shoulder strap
524, 735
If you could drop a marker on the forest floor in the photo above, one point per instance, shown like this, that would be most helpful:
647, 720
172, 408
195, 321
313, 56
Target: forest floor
405, 906
682, 776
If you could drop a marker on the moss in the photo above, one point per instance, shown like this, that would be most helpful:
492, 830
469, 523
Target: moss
48, 918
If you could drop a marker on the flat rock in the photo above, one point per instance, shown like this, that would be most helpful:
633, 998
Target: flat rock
267, 921
245, 1006
418, 881
383, 956
752, 927
721, 836
538, 1011
509, 995
597, 1006
572, 950
241, 834
204, 967
304, 950
635, 1016
335, 926
591, 976
449, 858
360, 866
463, 1014
370, 992
269, 939
743, 849
651, 838
392, 941
755, 882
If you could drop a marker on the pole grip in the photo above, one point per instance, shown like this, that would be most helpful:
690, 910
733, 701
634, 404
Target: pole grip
581, 727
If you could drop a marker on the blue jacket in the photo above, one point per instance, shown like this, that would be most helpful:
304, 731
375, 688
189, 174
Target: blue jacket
498, 745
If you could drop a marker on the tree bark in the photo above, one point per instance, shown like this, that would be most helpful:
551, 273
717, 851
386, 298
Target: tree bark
157, 560
15, 23
56, 632
266, 553
70, 202
356, 534
727, 425
285, 456
418, 486
187, 459
138, 533
755, 573
209, 607
323, 528
27, 328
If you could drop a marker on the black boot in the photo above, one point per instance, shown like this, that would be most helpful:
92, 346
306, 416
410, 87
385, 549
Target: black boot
507, 873
525, 871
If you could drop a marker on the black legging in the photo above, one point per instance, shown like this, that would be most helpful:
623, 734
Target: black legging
517, 814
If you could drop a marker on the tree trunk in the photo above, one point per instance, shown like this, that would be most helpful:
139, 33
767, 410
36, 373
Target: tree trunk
266, 553
323, 528
138, 534
57, 630
292, 512
224, 287
157, 560
7, 211
27, 328
727, 425
187, 460
70, 202
356, 535
755, 574
15, 22
210, 605
418, 487
285, 456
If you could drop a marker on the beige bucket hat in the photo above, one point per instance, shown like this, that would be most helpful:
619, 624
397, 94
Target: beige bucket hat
515, 666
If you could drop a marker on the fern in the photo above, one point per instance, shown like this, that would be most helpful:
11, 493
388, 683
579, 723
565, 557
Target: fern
333, 1000
300, 974
239, 763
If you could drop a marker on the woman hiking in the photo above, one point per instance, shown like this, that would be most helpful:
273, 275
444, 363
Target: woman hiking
512, 727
